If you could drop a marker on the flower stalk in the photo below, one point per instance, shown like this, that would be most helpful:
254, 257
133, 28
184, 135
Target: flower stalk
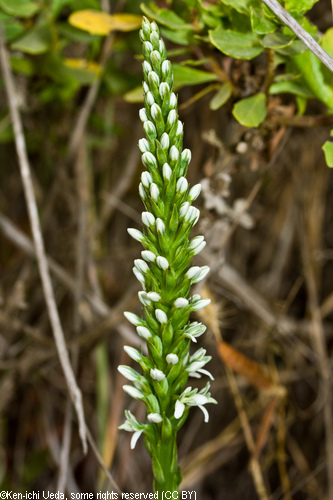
165, 274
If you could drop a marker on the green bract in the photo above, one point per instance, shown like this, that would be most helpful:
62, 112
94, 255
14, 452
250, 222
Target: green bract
166, 274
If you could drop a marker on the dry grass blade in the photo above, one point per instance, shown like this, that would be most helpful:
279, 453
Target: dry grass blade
39, 243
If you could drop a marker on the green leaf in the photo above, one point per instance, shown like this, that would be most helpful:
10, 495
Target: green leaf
328, 151
165, 17
191, 76
260, 23
13, 30
251, 111
242, 6
299, 6
277, 41
221, 96
236, 44
180, 37
310, 67
19, 8
286, 87
36, 41
22, 65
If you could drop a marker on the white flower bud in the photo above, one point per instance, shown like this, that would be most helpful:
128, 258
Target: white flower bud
167, 172
200, 304
153, 77
155, 111
181, 185
139, 276
148, 219
150, 98
162, 263
186, 156
184, 209
180, 128
133, 318
146, 67
157, 374
143, 145
149, 160
143, 298
146, 179
133, 392
155, 57
172, 359
149, 128
199, 248
154, 27
137, 235
165, 141
128, 373
154, 418
154, 191
133, 353
161, 316
141, 266
173, 100
164, 87
145, 88
154, 296
202, 274
148, 256
159, 226
143, 332
166, 68
143, 115
180, 303
148, 46
174, 153
192, 272
142, 192
161, 46
194, 192
172, 117
196, 242
192, 215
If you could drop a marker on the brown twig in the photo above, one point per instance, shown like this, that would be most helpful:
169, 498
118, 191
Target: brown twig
39, 242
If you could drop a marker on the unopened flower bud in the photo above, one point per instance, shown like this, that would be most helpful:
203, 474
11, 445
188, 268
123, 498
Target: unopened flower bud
148, 219
146, 179
182, 184
143, 145
161, 316
148, 256
165, 141
154, 192
162, 263
167, 172
143, 115
180, 303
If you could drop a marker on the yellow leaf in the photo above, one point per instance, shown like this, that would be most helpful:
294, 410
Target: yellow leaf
100, 23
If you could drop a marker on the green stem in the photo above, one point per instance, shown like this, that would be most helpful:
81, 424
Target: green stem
165, 461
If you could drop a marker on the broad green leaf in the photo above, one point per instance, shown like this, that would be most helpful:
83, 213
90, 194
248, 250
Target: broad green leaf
22, 65
301, 105
180, 37
19, 8
36, 41
85, 72
183, 76
221, 96
328, 150
251, 111
165, 17
327, 41
260, 23
242, 6
299, 6
236, 44
277, 41
296, 47
101, 23
74, 5
288, 87
310, 67
191, 76
13, 29
135, 95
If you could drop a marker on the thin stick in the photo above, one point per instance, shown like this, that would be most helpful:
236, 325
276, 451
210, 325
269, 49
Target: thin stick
39, 243
300, 32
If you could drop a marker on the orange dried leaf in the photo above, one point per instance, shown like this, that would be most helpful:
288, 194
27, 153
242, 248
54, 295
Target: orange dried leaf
244, 366
101, 23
